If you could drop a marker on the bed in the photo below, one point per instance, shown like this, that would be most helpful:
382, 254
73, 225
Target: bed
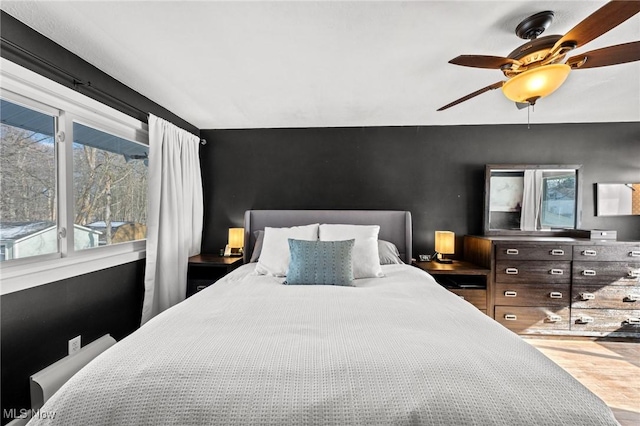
396, 349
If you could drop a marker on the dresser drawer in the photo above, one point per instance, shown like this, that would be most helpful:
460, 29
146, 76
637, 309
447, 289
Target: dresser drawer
533, 272
606, 320
610, 297
533, 252
532, 294
595, 253
616, 273
522, 319
477, 297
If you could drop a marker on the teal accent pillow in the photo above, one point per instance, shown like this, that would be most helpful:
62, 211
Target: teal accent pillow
320, 262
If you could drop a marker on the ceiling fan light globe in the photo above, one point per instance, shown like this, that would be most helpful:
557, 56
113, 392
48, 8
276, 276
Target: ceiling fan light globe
536, 83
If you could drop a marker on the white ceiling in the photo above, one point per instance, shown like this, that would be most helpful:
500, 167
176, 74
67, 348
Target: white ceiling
330, 63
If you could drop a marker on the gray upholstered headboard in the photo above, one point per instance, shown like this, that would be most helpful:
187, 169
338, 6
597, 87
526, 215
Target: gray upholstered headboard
395, 226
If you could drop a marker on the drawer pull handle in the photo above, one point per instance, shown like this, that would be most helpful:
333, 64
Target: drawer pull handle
511, 271
511, 294
585, 320
587, 296
555, 295
633, 321
631, 298
510, 317
556, 272
557, 252
553, 318
589, 273
589, 253
512, 251
634, 253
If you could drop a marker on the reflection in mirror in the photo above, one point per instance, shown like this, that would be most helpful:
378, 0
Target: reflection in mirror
617, 199
531, 198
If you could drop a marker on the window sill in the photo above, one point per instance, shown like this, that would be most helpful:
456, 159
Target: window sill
21, 277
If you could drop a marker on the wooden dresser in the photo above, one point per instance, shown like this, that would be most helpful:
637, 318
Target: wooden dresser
561, 285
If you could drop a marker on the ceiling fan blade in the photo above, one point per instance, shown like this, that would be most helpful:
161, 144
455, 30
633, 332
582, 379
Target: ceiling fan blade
473, 95
482, 61
612, 55
599, 22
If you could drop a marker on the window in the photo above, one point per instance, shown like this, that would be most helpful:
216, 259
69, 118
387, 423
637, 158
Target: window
73, 182
110, 188
28, 187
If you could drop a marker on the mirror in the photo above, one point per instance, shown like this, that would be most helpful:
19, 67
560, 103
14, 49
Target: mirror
532, 199
618, 199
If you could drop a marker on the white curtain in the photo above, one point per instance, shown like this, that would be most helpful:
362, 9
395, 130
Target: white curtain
531, 200
174, 217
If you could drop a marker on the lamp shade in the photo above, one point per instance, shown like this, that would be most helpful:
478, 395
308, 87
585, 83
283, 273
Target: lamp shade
445, 242
536, 83
236, 237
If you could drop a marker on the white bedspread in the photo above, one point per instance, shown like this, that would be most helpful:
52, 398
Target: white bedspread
397, 350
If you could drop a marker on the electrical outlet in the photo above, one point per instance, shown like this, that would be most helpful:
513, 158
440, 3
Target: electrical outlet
74, 345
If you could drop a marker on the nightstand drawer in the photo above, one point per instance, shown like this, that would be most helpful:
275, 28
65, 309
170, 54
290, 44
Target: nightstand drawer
522, 319
610, 273
595, 253
606, 320
533, 272
196, 285
206, 269
532, 294
609, 297
549, 252
477, 297
465, 279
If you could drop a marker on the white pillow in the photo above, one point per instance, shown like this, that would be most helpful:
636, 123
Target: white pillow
257, 247
389, 254
366, 260
274, 256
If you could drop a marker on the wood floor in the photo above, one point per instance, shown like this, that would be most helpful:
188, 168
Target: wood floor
611, 370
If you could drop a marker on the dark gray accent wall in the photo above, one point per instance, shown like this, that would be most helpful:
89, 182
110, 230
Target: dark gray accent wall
37, 323
436, 172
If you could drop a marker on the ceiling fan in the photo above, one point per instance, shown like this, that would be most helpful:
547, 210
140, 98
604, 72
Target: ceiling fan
535, 69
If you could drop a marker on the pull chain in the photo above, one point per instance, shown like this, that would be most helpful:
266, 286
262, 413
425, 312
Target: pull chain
529, 107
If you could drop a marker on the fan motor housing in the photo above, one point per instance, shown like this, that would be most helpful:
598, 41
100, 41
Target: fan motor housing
532, 53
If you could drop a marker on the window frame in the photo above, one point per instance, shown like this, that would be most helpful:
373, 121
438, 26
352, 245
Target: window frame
545, 192
55, 113
70, 206
22, 86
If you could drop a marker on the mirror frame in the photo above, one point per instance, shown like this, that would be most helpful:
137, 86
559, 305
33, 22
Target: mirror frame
517, 167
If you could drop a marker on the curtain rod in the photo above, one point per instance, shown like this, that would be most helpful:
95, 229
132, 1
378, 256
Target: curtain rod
77, 81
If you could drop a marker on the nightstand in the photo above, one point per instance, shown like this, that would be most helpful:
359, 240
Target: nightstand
467, 280
206, 269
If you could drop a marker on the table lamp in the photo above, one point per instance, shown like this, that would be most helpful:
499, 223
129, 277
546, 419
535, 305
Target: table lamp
445, 244
236, 242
